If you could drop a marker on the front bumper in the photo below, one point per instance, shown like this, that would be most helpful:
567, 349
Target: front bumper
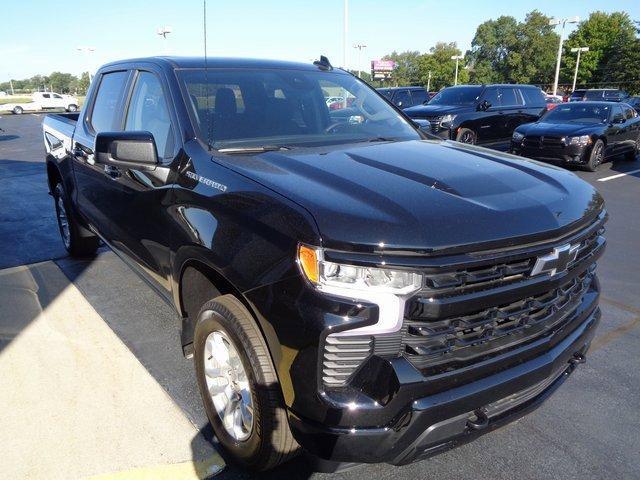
567, 155
444, 420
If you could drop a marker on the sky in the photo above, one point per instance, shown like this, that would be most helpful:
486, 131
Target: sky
40, 36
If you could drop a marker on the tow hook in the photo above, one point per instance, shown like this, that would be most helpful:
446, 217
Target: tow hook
577, 359
480, 422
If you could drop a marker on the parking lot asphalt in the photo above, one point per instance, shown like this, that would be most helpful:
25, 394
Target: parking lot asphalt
590, 428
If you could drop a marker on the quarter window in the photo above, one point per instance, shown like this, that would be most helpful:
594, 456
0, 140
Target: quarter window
148, 112
107, 98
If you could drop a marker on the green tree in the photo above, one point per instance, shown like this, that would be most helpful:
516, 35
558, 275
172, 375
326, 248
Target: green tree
406, 71
601, 32
62, 82
506, 51
438, 62
83, 83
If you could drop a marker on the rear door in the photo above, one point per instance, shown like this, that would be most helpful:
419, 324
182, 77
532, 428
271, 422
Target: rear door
138, 202
632, 127
616, 132
512, 110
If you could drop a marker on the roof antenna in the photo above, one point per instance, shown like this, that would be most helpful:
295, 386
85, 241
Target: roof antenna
206, 74
323, 63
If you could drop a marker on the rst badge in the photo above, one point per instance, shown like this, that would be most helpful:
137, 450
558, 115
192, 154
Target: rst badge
557, 261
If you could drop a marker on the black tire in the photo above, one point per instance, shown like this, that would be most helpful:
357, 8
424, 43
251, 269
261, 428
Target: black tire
72, 108
466, 135
18, 110
77, 244
270, 442
596, 156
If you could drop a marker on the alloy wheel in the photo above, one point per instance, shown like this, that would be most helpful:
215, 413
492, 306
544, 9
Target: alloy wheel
228, 385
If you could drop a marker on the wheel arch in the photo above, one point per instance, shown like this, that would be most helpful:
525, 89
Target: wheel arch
53, 175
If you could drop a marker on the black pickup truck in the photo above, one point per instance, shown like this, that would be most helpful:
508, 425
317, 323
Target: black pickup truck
355, 289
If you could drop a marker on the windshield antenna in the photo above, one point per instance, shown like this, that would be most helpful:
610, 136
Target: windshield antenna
206, 74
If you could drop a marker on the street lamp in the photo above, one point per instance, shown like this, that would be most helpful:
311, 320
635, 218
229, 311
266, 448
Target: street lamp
359, 47
575, 75
345, 32
88, 51
163, 32
563, 22
457, 58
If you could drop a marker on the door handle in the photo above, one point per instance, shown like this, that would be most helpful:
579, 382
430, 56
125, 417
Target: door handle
113, 172
84, 153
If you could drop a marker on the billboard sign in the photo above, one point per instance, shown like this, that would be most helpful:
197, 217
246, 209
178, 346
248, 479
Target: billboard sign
381, 69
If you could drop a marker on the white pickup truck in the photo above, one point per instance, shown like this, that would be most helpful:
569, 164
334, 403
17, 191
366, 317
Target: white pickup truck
43, 101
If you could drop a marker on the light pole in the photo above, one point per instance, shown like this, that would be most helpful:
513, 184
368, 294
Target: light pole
345, 35
359, 47
163, 32
563, 22
87, 51
457, 58
429, 81
575, 75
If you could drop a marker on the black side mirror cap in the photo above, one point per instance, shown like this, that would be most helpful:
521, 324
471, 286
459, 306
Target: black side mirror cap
618, 119
126, 149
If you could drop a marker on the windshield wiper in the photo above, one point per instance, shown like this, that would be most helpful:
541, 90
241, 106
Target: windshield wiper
381, 139
255, 149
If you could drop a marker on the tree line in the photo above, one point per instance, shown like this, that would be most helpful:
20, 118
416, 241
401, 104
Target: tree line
56, 82
507, 51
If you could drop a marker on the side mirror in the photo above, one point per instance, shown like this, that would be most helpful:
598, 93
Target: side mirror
423, 125
618, 118
126, 149
484, 105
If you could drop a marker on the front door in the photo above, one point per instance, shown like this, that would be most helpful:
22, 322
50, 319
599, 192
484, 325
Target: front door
140, 201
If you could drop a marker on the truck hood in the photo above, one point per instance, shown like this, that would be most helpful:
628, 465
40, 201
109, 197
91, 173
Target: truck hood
436, 110
423, 195
559, 129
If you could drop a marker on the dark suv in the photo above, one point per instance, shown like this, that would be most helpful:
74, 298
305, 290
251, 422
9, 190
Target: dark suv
405, 97
598, 95
354, 289
482, 114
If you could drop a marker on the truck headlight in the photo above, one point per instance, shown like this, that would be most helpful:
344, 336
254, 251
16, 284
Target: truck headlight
388, 288
447, 120
517, 137
351, 277
582, 140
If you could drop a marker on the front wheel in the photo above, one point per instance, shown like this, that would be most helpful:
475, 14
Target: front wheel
18, 110
596, 156
466, 135
76, 244
239, 386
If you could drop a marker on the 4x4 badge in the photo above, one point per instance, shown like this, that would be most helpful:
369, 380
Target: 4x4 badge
556, 261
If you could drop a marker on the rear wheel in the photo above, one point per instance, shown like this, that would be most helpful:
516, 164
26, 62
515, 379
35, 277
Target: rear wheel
76, 244
596, 156
18, 110
239, 386
466, 135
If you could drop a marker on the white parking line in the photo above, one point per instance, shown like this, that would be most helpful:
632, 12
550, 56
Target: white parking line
619, 175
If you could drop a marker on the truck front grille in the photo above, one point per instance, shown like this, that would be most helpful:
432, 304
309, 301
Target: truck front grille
445, 344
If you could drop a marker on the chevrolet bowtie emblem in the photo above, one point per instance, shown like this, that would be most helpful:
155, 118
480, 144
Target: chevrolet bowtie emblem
557, 261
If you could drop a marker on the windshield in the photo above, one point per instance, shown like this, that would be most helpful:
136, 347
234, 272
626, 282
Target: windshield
578, 113
457, 96
235, 108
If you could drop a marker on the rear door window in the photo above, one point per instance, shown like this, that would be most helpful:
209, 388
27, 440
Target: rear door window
532, 97
509, 97
107, 99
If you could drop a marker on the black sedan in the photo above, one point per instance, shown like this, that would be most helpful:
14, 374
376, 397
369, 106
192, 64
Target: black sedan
581, 133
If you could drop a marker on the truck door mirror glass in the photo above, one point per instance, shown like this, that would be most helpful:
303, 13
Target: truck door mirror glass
126, 149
